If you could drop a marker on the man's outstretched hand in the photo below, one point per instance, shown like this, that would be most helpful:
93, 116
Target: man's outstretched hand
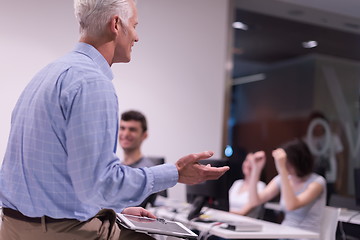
191, 172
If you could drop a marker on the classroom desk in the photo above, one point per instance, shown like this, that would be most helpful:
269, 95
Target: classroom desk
346, 215
269, 230
349, 216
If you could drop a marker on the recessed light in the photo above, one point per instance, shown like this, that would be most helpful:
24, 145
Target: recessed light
240, 25
310, 44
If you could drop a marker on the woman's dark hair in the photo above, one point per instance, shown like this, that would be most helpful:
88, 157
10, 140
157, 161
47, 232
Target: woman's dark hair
299, 156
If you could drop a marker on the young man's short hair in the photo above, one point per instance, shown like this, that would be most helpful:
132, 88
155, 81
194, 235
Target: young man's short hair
135, 116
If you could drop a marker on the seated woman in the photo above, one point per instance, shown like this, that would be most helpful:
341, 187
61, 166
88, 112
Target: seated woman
239, 191
303, 193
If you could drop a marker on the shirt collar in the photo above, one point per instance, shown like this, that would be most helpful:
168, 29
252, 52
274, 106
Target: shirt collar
96, 56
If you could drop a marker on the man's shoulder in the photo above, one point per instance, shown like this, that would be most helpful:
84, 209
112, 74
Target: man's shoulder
70, 62
77, 62
75, 70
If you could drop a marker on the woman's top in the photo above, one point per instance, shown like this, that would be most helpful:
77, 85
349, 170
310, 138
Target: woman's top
238, 199
307, 217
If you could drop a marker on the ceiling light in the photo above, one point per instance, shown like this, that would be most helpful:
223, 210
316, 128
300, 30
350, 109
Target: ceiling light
309, 44
240, 25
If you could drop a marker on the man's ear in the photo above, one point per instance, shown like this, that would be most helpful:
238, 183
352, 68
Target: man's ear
115, 24
145, 135
118, 24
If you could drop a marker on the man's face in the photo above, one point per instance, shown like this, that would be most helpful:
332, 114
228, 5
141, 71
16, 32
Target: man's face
131, 135
127, 37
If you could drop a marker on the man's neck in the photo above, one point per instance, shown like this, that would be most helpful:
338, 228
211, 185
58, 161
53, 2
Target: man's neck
104, 45
131, 157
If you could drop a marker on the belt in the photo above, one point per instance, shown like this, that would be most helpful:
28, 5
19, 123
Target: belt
19, 216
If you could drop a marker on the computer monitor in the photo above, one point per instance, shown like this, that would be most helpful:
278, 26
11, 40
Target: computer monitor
211, 193
357, 185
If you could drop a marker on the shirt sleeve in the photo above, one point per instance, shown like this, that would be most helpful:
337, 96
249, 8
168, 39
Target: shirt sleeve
95, 171
321, 180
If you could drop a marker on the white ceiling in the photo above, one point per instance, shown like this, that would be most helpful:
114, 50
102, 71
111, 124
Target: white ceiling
337, 14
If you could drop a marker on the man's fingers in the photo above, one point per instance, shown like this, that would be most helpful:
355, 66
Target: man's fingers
215, 173
148, 214
199, 156
211, 173
203, 155
193, 158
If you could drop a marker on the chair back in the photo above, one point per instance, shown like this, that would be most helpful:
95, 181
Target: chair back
329, 222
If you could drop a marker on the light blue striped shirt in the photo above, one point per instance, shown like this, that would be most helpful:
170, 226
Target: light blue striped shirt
60, 159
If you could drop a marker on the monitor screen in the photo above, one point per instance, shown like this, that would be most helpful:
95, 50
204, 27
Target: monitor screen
357, 185
212, 193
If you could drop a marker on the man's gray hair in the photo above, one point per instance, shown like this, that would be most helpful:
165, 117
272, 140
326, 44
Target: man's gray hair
94, 15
